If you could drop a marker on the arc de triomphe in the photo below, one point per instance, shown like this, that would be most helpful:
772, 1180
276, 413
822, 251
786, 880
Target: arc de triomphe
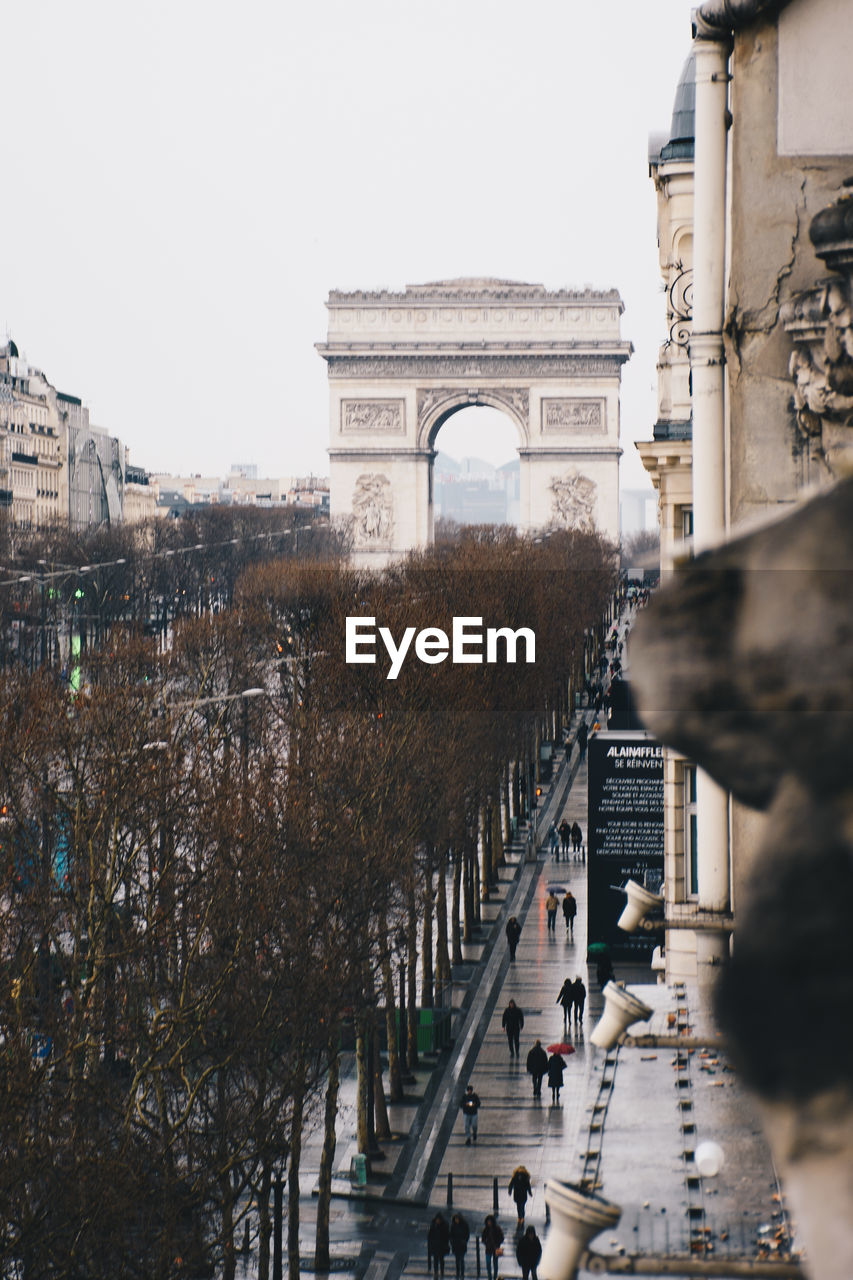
401, 364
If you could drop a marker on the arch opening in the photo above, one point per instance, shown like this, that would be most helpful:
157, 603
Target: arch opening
476, 470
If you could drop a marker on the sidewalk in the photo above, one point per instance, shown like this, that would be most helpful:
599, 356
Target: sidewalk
515, 1128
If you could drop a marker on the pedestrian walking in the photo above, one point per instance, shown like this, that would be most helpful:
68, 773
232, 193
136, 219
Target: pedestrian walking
556, 1067
537, 1065
567, 999
459, 1233
580, 999
520, 1189
469, 1106
513, 933
551, 905
438, 1244
493, 1238
554, 841
577, 840
528, 1251
565, 837
604, 971
512, 1022
583, 735
570, 910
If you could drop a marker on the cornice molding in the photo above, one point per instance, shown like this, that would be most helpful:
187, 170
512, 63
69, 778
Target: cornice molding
424, 364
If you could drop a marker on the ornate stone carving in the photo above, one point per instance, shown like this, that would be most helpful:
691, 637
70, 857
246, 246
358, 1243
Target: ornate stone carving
679, 307
577, 417
474, 366
820, 321
373, 509
573, 502
385, 416
474, 289
431, 400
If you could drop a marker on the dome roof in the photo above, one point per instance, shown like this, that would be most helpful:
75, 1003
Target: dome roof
682, 130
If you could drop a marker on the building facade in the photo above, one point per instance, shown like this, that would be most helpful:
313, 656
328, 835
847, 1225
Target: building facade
668, 455
727, 663
55, 465
754, 386
33, 477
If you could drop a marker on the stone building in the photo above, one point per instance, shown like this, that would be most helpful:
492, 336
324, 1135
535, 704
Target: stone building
728, 663
668, 458
55, 465
140, 502
753, 420
668, 455
33, 478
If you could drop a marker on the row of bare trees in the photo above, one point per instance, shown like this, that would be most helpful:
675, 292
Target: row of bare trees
214, 852
56, 585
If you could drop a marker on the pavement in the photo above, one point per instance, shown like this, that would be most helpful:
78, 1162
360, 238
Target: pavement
627, 1125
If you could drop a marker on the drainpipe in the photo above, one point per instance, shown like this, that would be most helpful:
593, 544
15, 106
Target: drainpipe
707, 371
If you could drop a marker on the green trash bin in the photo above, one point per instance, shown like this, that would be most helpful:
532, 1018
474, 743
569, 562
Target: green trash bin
358, 1171
433, 1030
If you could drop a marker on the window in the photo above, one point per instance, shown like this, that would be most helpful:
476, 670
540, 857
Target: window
687, 522
691, 857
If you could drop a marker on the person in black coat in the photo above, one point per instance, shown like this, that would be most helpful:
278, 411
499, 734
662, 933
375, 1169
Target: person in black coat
459, 1234
492, 1237
556, 1067
537, 1065
528, 1251
567, 999
520, 1188
469, 1106
580, 999
513, 933
512, 1022
570, 910
438, 1244
583, 737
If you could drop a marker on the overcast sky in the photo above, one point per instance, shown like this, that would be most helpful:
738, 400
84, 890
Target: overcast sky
186, 181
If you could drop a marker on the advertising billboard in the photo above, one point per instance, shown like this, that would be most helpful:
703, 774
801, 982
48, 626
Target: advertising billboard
625, 833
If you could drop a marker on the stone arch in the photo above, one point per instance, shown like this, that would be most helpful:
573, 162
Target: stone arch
401, 364
436, 406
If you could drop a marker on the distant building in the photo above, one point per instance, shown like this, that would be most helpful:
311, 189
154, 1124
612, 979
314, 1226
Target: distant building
473, 491
240, 487
139, 499
54, 464
639, 511
32, 481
